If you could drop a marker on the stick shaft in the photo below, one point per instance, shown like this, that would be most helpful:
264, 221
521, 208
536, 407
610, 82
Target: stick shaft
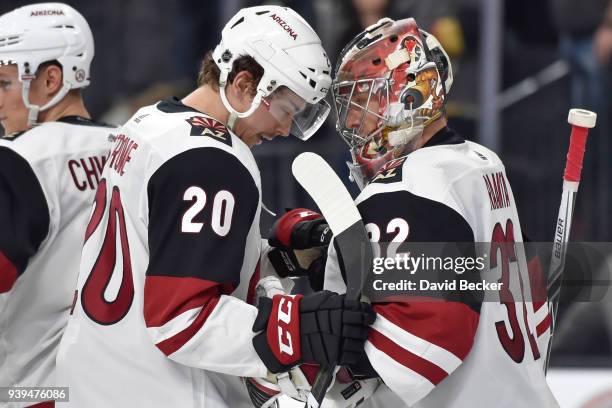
571, 181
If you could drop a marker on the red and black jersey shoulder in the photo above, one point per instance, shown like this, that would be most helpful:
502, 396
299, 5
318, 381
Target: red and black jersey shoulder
24, 216
202, 204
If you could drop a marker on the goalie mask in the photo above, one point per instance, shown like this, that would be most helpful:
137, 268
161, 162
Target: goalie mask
390, 83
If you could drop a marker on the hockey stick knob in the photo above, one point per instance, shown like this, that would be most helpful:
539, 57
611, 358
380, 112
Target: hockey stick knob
581, 121
582, 118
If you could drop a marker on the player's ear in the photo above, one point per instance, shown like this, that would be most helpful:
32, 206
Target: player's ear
51, 80
244, 85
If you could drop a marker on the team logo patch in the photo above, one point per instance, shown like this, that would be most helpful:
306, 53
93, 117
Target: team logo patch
203, 126
390, 172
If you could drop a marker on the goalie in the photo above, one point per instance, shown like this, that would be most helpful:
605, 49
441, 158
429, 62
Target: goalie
422, 182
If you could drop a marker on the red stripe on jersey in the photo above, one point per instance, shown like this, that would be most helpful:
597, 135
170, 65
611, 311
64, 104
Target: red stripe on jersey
8, 273
543, 325
252, 291
98, 213
450, 325
166, 297
425, 368
537, 283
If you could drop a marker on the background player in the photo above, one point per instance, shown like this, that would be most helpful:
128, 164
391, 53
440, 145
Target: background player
172, 249
51, 159
422, 182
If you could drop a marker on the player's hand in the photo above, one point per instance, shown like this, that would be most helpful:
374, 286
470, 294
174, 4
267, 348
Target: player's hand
302, 262
300, 228
300, 238
295, 384
323, 328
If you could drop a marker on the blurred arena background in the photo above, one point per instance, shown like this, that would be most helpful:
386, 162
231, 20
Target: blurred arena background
519, 66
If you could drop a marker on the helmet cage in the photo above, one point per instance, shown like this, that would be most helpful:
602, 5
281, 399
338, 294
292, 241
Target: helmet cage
344, 103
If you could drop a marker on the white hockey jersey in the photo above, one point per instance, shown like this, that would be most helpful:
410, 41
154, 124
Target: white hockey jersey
161, 317
48, 177
454, 354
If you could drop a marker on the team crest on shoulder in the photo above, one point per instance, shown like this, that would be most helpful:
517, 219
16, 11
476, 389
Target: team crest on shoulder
391, 172
203, 126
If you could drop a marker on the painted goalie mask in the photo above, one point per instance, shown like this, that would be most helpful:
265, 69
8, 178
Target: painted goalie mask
390, 83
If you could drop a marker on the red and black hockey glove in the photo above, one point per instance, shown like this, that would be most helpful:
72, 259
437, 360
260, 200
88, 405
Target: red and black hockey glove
323, 328
300, 228
300, 238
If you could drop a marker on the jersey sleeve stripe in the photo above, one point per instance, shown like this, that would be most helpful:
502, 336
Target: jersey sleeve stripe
8, 273
425, 368
407, 384
540, 314
174, 326
448, 328
174, 343
175, 308
166, 297
416, 346
543, 326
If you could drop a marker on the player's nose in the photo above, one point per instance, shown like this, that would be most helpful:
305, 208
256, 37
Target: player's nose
353, 120
283, 128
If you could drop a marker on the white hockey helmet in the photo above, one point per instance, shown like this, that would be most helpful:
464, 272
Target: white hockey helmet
38, 33
291, 55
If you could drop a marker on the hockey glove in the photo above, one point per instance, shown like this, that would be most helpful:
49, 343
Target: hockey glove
300, 238
323, 328
307, 262
295, 384
300, 228
345, 391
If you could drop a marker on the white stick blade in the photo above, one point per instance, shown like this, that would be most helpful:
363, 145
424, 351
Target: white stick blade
322, 183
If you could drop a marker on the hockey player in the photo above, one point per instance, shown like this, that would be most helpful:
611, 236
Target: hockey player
51, 159
422, 182
172, 248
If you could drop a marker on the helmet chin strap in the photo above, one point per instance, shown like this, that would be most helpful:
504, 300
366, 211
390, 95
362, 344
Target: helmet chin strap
233, 113
34, 110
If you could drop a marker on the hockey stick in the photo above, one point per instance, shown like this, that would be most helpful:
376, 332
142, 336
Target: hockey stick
337, 206
581, 121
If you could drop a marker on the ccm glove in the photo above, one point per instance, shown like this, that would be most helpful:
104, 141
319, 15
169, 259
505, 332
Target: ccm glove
323, 328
